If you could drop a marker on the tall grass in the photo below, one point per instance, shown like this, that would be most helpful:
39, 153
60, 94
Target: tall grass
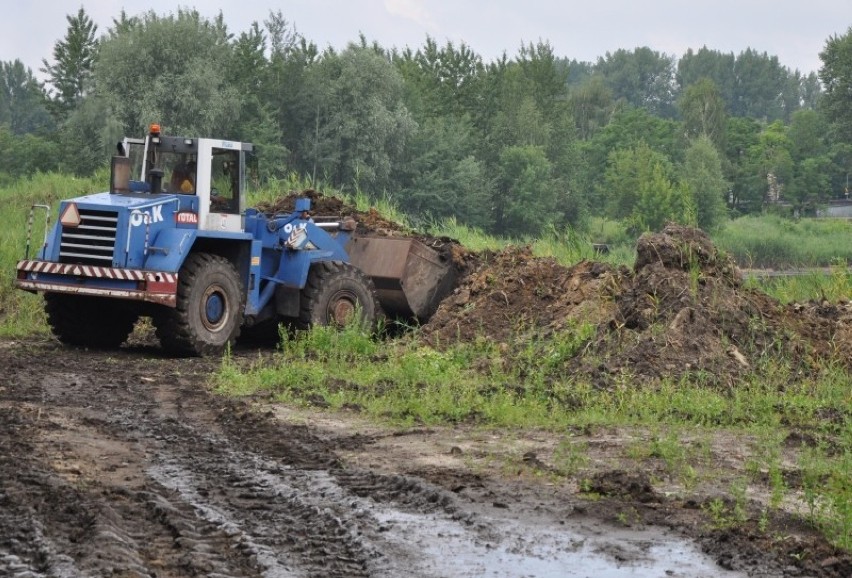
21, 313
771, 241
832, 285
567, 246
275, 188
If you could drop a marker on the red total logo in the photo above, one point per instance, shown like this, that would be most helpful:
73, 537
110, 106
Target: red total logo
186, 218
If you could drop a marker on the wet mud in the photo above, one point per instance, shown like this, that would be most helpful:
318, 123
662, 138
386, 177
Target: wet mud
125, 464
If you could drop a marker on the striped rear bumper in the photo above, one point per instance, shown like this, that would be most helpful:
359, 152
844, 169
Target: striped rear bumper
151, 286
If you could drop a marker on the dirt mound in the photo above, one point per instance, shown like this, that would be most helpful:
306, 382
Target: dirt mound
514, 295
682, 310
687, 249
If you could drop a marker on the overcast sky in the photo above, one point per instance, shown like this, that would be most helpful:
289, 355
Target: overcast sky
793, 30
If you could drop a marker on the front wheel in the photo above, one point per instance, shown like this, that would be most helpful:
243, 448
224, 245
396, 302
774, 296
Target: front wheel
210, 302
334, 293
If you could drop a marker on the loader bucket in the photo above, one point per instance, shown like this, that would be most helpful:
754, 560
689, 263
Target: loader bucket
411, 279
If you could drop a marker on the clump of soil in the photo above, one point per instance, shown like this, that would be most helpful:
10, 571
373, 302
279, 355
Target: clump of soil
623, 484
371, 223
368, 222
682, 310
512, 295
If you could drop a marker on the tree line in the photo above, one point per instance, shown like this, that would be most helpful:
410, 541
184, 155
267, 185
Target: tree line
512, 146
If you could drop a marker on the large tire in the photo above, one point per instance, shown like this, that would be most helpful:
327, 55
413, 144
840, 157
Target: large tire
210, 303
334, 292
94, 322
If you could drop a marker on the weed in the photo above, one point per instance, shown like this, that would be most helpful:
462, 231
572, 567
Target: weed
571, 457
729, 513
629, 517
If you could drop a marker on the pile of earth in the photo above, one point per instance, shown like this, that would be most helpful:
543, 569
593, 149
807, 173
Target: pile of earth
682, 310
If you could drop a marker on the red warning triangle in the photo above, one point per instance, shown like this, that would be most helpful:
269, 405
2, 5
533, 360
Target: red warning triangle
70, 216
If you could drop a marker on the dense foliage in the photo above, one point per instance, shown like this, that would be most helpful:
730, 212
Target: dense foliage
515, 146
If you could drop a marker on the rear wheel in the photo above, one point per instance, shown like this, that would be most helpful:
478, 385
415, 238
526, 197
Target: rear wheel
208, 314
334, 293
86, 321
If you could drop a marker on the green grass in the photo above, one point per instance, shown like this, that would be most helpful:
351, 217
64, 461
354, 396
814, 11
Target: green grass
831, 286
21, 313
775, 242
406, 383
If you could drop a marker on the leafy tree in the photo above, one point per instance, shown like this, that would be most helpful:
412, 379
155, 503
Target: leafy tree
810, 91
841, 163
810, 183
629, 127
836, 77
591, 106
74, 58
443, 177
526, 198
769, 165
440, 80
23, 102
287, 96
626, 168
525, 102
644, 78
712, 65
88, 137
807, 133
761, 85
544, 76
361, 125
812, 164
283, 36
523, 124
741, 135
578, 72
660, 200
639, 188
703, 112
751, 84
250, 72
172, 70
702, 175
24, 155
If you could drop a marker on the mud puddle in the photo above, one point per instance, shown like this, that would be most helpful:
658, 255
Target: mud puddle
440, 547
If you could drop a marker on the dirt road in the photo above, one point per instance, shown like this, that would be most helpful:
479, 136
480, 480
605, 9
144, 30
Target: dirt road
124, 464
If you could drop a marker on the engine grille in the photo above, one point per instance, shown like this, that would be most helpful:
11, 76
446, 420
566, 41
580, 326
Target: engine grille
92, 241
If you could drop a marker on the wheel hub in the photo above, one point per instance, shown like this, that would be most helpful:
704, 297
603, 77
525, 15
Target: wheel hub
215, 309
342, 310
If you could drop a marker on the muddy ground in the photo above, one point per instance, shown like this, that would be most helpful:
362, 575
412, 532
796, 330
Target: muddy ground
126, 464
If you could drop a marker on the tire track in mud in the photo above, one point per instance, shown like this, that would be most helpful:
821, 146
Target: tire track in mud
186, 483
124, 464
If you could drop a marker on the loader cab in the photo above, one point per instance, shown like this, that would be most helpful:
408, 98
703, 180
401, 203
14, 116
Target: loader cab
209, 174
